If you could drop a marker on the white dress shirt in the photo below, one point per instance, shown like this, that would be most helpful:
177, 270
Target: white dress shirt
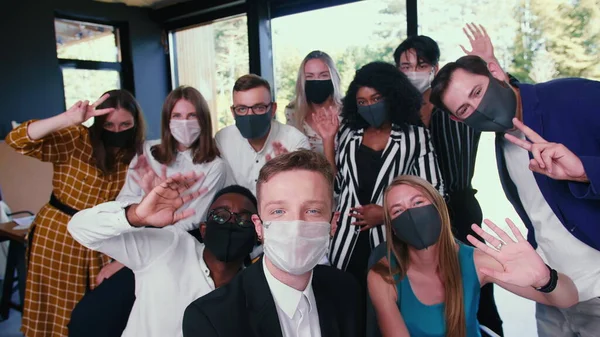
296, 310
214, 180
168, 264
557, 247
244, 162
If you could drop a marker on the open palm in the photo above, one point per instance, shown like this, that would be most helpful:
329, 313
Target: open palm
522, 266
145, 176
159, 207
327, 122
481, 44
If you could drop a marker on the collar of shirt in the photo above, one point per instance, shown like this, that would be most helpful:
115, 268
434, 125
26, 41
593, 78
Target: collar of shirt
286, 297
187, 155
204, 266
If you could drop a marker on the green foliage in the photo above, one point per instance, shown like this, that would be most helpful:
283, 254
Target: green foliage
563, 36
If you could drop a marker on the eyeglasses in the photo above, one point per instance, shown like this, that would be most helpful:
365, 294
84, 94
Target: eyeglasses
257, 109
223, 215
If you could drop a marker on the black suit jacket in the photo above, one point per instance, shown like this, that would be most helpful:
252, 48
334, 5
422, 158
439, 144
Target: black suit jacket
245, 306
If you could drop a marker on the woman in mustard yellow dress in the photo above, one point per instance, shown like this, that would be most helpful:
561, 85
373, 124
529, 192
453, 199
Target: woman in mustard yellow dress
90, 166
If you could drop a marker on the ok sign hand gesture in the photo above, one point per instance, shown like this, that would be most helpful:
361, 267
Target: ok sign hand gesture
551, 159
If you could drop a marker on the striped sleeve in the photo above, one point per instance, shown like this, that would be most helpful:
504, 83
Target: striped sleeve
57, 147
341, 140
426, 165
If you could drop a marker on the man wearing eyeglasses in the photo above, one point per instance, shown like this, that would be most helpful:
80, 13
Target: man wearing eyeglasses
172, 268
256, 136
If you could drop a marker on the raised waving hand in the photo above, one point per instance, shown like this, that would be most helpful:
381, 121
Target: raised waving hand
327, 122
159, 208
145, 176
522, 266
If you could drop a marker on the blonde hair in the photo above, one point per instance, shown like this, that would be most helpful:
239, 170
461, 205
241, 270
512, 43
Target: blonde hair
299, 103
449, 266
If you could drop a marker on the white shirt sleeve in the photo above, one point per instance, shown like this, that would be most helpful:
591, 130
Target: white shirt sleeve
302, 143
214, 181
131, 193
105, 228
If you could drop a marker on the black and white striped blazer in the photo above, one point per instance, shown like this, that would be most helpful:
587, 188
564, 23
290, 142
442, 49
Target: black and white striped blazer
408, 151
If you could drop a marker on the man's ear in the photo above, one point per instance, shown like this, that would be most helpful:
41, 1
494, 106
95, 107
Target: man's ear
202, 229
436, 68
497, 71
273, 110
257, 226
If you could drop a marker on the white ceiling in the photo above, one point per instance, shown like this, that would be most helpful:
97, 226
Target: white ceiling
145, 3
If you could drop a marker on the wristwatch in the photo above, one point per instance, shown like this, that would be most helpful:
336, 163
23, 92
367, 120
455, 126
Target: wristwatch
551, 285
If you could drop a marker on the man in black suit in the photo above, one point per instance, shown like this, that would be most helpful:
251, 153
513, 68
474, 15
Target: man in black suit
286, 294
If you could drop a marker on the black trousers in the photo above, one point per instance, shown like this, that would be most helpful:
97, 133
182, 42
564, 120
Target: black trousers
464, 211
104, 311
357, 266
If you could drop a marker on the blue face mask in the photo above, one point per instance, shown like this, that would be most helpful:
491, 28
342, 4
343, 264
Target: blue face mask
375, 114
254, 126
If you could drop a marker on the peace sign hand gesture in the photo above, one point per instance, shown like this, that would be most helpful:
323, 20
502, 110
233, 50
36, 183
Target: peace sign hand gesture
481, 44
158, 208
522, 266
551, 159
82, 110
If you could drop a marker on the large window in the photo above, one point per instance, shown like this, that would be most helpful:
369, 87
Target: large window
89, 55
210, 58
353, 35
536, 41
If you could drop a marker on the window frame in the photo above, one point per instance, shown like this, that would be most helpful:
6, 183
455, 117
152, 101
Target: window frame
124, 67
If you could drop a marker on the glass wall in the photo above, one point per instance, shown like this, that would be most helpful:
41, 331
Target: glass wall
353, 35
535, 41
90, 57
210, 58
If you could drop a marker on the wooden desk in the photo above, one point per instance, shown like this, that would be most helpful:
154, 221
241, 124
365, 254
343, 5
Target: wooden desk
7, 230
14, 261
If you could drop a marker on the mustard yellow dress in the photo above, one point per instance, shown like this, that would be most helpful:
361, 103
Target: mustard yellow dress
60, 270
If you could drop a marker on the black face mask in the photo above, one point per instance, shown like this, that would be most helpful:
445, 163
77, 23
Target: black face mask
419, 227
496, 109
318, 91
118, 139
254, 126
375, 114
229, 242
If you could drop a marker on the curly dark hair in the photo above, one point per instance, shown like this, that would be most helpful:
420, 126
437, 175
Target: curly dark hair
402, 99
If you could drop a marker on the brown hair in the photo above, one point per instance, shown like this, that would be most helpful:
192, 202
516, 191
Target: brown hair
118, 99
204, 149
297, 160
471, 64
251, 81
447, 260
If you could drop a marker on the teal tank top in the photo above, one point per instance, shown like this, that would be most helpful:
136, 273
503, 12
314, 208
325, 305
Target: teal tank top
429, 320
